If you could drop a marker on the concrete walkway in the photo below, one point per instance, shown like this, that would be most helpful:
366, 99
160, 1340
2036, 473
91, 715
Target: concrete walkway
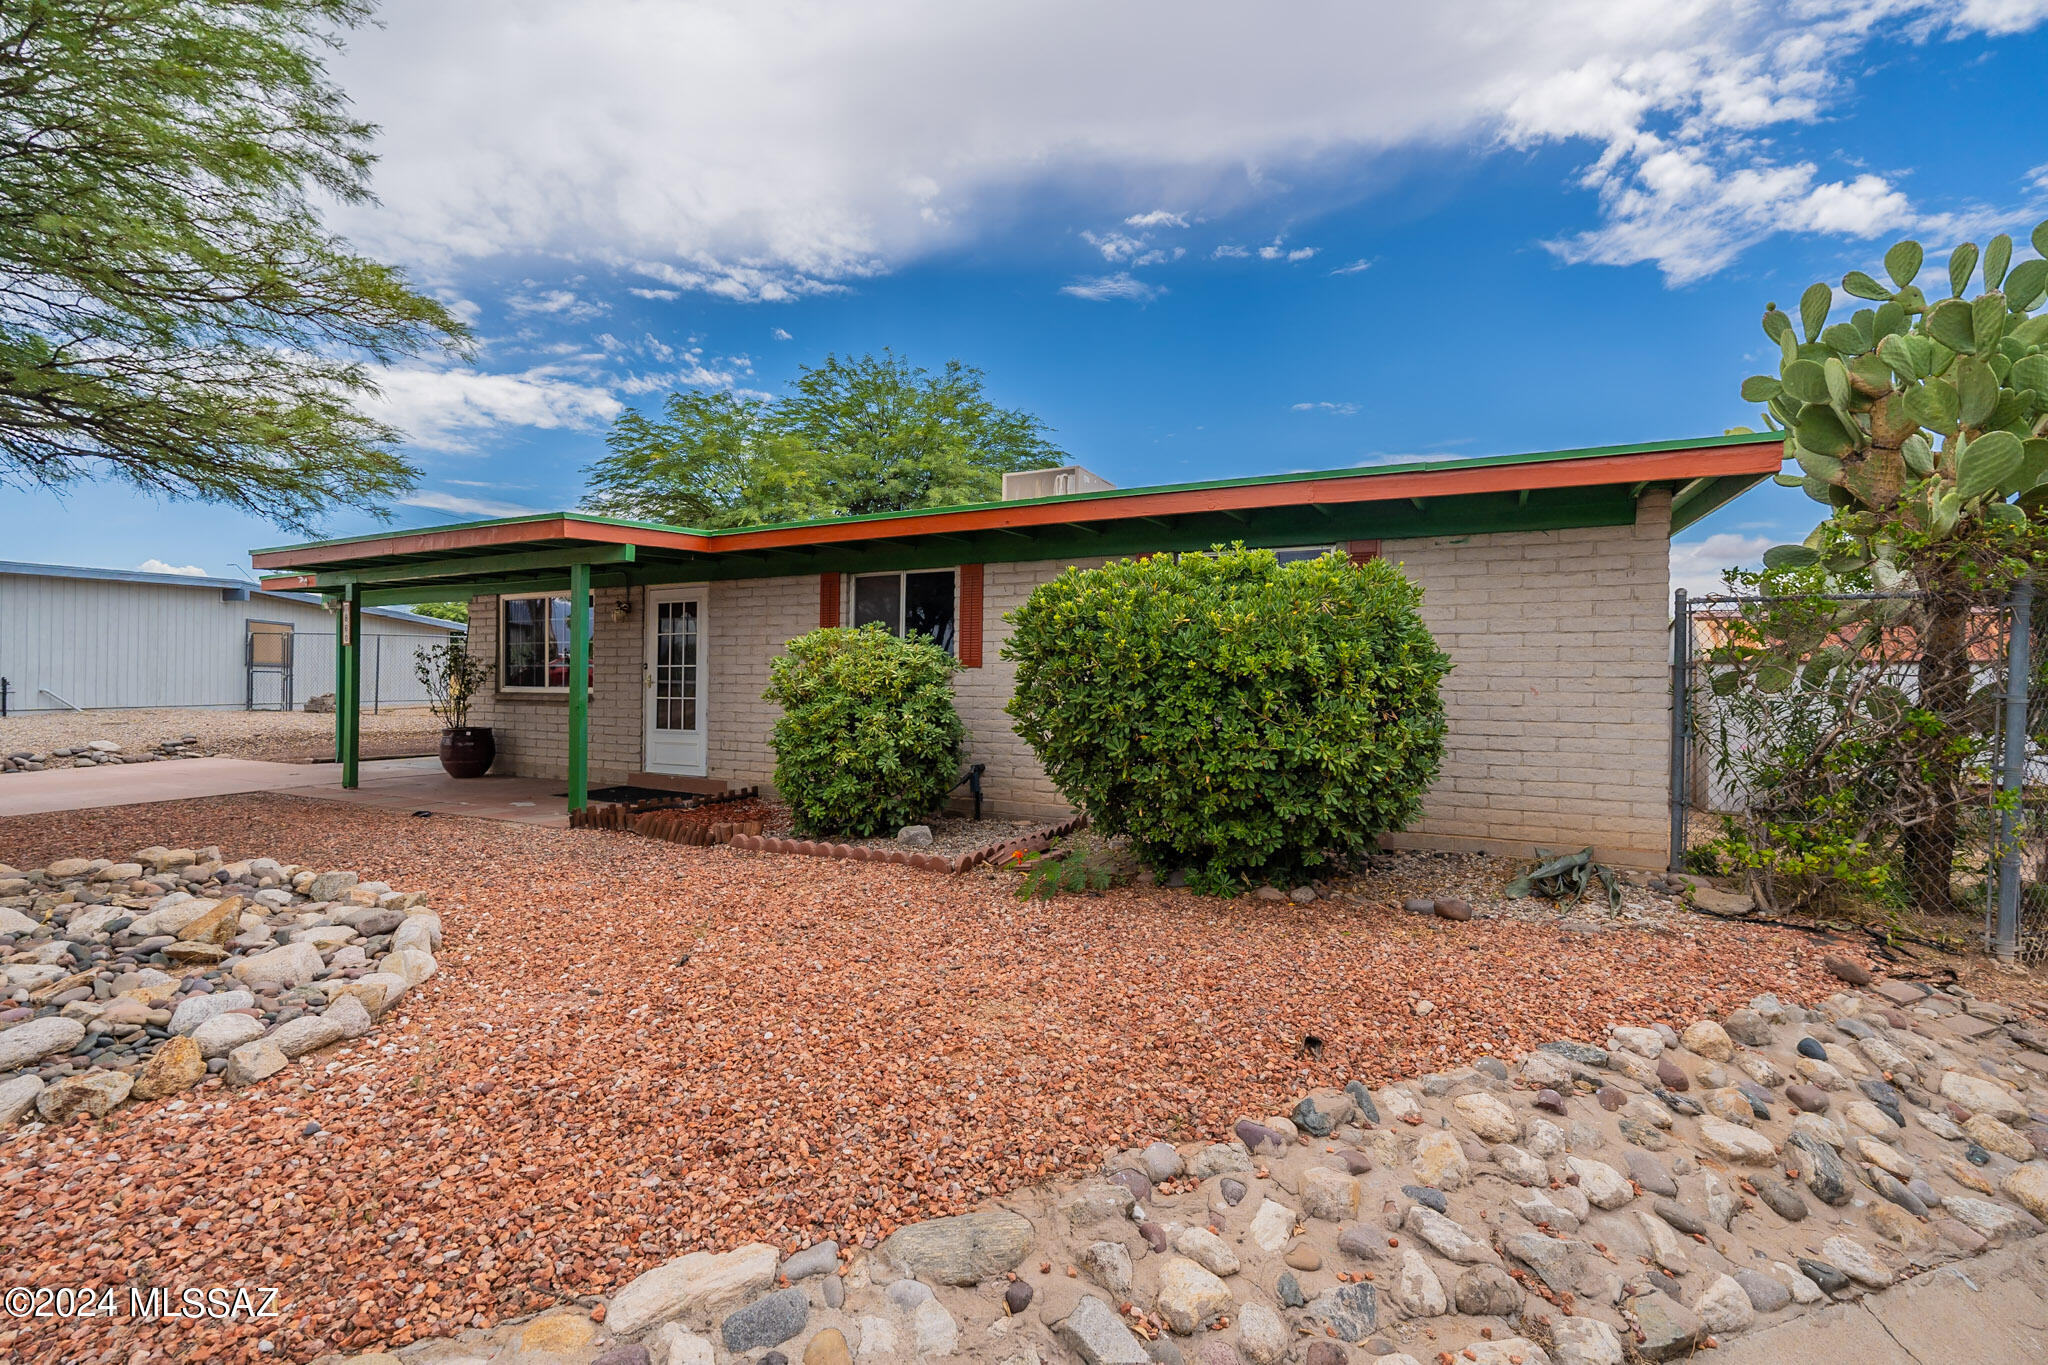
400, 784
1992, 1309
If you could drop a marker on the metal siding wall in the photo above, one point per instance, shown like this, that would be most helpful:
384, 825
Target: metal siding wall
100, 643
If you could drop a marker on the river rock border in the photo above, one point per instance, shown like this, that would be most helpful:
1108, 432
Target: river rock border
1637, 1199
1035, 842
131, 981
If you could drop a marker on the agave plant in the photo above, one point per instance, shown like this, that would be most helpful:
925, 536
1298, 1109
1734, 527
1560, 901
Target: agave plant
1925, 417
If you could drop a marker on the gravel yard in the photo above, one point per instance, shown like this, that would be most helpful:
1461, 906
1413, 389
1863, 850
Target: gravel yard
634, 1048
276, 736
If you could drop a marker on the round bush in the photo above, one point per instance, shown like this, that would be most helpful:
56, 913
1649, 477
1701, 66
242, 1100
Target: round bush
868, 741
1229, 713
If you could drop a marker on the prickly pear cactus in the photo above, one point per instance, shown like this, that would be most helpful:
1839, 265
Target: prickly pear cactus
1917, 420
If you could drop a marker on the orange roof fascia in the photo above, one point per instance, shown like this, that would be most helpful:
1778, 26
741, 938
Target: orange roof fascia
1763, 457
480, 537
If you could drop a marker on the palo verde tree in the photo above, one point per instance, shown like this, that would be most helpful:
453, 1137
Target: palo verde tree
173, 313
851, 436
1922, 425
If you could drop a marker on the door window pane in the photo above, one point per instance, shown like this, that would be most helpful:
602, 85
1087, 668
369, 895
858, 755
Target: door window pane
675, 666
928, 606
879, 597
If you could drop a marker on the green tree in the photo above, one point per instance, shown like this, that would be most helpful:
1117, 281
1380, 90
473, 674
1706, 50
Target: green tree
172, 311
443, 611
852, 436
1923, 426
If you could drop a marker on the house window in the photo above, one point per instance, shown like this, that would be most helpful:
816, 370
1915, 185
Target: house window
909, 604
534, 653
1294, 553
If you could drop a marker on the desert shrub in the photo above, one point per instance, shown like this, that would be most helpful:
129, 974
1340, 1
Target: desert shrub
868, 740
1229, 713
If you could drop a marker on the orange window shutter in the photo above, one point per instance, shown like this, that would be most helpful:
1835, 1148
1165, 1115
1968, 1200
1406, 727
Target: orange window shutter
970, 615
828, 600
1363, 551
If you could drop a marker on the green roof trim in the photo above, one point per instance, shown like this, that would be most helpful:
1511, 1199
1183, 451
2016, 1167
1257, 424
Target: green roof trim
1096, 495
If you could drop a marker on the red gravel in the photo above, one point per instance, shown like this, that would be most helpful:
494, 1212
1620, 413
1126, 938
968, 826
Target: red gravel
849, 1047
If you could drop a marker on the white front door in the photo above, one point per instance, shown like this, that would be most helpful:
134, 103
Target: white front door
674, 681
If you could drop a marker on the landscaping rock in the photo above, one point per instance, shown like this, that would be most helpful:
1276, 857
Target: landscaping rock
1095, 1333
965, 1249
698, 1286
767, 1321
1189, 1294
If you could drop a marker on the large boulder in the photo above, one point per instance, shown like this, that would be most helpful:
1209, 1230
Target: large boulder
175, 1066
965, 1249
295, 964
252, 1062
171, 915
94, 1093
34, 1039
700, 1286
195, 1010
307, 1033
17, 1097
223, 1033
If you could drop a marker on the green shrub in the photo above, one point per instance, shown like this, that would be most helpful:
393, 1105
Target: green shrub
1229, 713
868, 740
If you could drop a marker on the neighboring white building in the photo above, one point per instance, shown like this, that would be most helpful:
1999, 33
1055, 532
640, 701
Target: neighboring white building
76, 638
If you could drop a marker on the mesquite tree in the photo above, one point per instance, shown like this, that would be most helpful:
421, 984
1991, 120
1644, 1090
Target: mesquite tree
1923, 425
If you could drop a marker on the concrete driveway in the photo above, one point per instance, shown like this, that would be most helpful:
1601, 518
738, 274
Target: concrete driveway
406, 784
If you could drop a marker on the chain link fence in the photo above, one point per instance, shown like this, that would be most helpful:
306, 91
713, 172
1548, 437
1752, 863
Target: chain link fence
1867, 754
287, 671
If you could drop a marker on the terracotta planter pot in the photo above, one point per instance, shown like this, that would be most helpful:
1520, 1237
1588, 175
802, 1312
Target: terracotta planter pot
468, 751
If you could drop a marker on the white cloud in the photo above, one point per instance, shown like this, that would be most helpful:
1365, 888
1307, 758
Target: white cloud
1340, 409
779, 334
465, 507
559, 303
451, 409
1122, 285
1697, 565
764, 152
1230, 252
1275, 252
1354, 268
2002, 16
159, 566
664, 295
1114, 246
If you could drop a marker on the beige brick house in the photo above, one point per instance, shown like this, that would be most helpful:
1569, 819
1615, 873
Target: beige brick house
1544, 578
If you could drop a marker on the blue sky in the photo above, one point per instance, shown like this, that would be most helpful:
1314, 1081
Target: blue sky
1199, 239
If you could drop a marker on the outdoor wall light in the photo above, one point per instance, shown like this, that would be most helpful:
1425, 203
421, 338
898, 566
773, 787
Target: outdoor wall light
622, 610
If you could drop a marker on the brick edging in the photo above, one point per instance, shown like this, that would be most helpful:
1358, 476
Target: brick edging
1035, 842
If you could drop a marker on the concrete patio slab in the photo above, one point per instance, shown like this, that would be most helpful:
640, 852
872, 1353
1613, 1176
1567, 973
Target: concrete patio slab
1994, 1308
405, 784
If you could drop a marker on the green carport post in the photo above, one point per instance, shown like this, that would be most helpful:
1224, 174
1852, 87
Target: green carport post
340, 654
348, 690
579, 686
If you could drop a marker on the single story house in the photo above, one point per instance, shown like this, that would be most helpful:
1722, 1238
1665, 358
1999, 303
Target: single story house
82, 639
1544, 578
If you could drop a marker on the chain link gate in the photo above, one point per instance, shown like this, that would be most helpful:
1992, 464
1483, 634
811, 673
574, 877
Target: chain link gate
1879, 752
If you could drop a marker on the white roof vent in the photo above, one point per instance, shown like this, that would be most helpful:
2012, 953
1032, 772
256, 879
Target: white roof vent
1052, 483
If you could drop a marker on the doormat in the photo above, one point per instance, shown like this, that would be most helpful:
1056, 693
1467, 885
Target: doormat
628, 814
626, 792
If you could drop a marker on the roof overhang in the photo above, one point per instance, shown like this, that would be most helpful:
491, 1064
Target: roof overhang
1550, 491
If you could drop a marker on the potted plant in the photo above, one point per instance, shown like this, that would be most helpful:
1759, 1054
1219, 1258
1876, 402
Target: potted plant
453, 676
